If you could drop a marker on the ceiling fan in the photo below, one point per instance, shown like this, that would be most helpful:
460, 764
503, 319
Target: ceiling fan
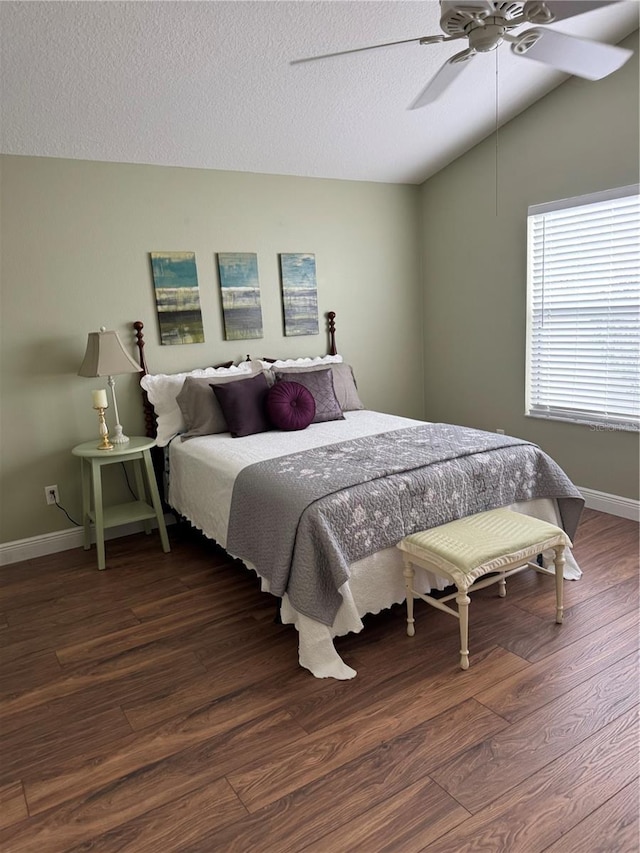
487, 23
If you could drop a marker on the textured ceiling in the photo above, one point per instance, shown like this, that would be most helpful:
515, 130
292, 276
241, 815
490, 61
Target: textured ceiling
209, 85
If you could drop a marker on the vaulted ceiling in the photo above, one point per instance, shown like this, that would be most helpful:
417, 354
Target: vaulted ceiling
209, 85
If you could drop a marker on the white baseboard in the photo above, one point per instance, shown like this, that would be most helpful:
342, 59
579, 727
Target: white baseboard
611, 504
63, 540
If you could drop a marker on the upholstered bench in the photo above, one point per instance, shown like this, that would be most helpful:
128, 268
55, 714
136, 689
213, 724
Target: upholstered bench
499, 543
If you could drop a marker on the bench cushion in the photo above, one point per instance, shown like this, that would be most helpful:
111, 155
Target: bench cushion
475, 545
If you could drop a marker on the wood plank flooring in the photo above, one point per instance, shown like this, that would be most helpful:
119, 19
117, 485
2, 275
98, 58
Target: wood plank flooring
157, 706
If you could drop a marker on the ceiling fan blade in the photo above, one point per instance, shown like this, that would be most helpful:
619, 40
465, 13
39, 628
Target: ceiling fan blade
369, 47
589, 59
443, 78
557, 10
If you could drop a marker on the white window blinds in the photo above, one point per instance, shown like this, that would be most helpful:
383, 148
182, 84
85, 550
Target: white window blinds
583, 319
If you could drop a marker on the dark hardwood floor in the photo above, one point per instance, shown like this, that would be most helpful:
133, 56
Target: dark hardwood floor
157, 706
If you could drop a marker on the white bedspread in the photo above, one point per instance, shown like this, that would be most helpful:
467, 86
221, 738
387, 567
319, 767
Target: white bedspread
202, 474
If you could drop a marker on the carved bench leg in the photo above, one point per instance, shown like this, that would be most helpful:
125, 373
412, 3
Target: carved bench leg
409, 574
502, 586
462, 600
559, 566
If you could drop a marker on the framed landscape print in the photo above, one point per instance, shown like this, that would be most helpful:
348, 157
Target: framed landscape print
299, 294
175, 282
240, 291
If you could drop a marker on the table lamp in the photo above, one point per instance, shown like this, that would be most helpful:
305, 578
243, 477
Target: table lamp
106, 356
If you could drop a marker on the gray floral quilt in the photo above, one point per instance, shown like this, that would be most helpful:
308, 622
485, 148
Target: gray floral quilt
302, 519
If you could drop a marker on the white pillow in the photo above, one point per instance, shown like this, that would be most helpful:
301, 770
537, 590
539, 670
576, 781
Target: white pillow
301, 362
163, 388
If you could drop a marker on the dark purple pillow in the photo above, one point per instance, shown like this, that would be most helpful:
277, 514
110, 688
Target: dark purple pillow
290, 406
320, 384
243, 404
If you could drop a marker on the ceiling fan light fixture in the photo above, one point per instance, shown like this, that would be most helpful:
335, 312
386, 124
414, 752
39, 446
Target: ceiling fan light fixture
487, 38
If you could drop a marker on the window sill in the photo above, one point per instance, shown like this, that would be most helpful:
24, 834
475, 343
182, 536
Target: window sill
594, 426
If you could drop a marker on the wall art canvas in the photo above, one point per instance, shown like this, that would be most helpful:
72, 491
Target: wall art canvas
240, 291
299, 294
175, 281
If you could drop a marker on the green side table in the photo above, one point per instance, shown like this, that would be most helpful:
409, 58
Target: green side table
147, 506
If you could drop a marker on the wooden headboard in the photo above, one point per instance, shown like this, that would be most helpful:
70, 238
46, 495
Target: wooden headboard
149, 414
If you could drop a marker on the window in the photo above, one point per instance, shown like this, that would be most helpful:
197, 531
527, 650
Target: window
583, 311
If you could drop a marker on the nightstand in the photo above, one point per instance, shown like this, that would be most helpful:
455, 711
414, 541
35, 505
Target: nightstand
147, 506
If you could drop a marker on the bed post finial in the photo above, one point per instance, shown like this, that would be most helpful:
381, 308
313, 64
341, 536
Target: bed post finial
139, 326
331, 316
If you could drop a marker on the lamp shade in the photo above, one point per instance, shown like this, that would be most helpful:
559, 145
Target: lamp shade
105, 356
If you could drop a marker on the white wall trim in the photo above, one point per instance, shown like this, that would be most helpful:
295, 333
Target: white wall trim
63, 540
612, 504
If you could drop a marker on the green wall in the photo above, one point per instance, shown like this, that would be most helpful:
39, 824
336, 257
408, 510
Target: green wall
75, 242
428, 284
580, 138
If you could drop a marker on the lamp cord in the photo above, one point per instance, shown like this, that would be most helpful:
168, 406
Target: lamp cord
72, 520
126, 476
79, 524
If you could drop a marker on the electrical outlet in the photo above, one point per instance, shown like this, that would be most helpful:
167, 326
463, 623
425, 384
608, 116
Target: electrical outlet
501, 431
51, 494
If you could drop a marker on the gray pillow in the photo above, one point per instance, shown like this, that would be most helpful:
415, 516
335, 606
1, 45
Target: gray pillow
200, 408
344, 384
320, 383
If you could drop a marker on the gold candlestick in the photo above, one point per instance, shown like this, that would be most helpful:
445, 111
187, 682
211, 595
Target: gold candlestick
105, 444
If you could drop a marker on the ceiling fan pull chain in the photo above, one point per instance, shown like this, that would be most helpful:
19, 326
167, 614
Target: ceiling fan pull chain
497, 126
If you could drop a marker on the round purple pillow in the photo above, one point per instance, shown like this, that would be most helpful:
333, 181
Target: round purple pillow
290, 406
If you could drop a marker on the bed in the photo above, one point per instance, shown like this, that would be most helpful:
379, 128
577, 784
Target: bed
316, 512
